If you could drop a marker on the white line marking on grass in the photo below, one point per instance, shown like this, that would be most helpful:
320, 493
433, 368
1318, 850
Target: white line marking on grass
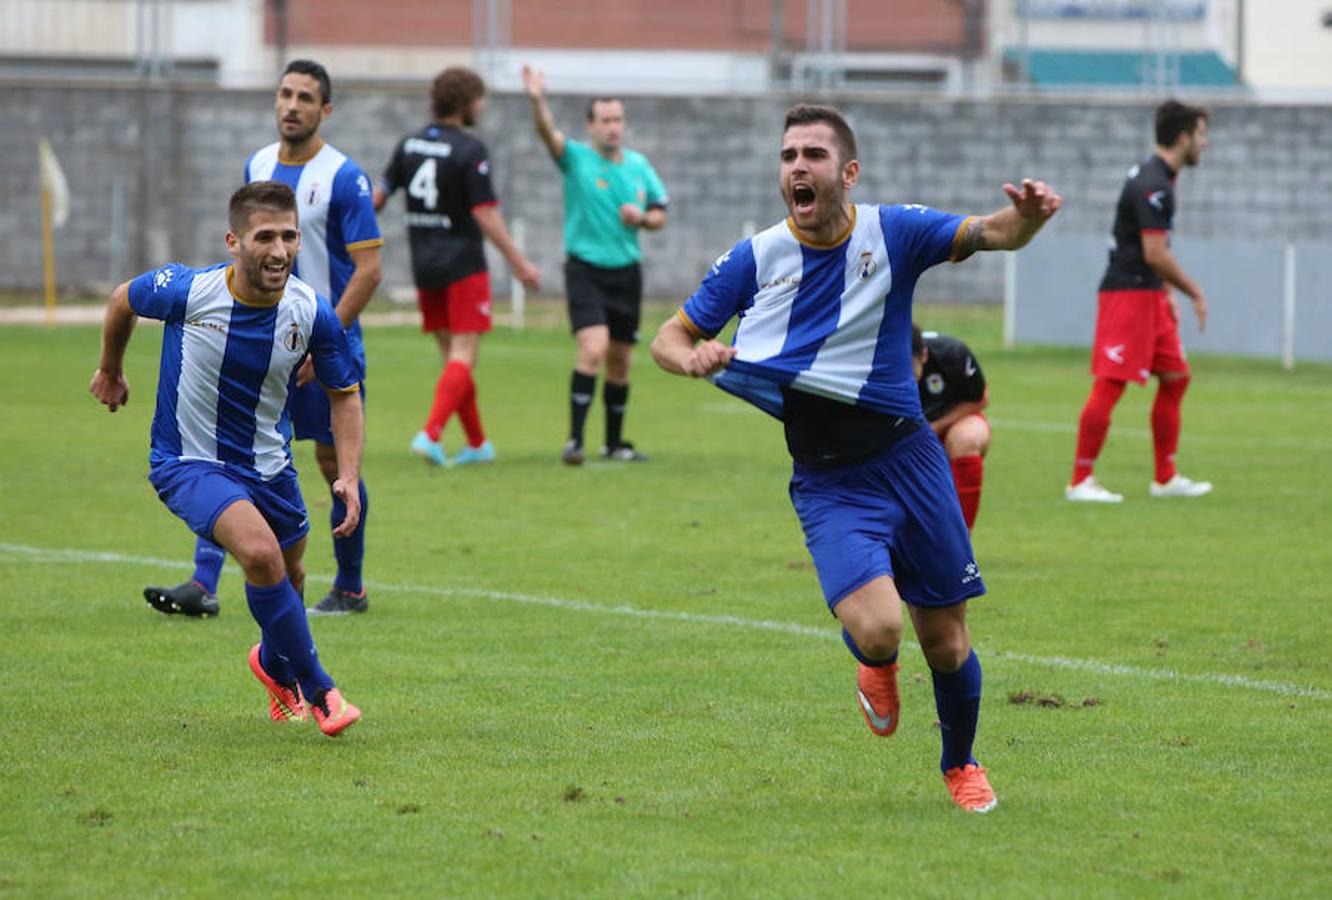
73, 556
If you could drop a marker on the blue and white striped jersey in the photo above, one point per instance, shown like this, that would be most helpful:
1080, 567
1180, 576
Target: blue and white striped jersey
227, 365
829, 320
337, 215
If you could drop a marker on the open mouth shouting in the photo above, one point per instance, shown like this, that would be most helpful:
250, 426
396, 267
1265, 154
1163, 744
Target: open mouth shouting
804, 201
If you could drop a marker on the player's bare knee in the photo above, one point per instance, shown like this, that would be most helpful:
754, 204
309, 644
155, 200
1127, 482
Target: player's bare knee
262, 566
259, 557
880, 640
876, 631
969, 436
590, 360
946, 652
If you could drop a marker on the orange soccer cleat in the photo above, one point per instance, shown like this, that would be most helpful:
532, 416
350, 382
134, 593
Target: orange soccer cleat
970, 788
284, 703
876, 689
333, 713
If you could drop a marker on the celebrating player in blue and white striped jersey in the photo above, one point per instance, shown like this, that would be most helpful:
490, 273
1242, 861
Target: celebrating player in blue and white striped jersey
220, 457
824, 344
339, 258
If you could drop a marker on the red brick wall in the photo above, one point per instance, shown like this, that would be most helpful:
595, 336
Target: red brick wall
738, 25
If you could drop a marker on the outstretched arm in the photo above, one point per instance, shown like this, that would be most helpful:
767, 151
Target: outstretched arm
534, 80
1013, 226
677, 351
109, 385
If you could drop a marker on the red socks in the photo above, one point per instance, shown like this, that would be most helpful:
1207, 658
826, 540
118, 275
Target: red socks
967, 474
1165, 425
455, 392
1094, 424
470, 417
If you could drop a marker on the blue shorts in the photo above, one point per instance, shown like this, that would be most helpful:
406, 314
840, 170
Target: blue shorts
894, 514
311, 414
198, 492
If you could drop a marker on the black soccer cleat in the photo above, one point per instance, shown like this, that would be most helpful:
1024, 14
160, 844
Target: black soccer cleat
338, 602
572, 454
188, 599
622, 452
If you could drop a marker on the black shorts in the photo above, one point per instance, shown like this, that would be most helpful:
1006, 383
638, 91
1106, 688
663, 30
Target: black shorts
610, 297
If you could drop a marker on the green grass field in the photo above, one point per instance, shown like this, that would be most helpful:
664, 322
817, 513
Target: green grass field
622, 681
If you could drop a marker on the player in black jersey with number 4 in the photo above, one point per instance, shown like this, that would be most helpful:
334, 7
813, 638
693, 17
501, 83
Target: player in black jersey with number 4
952, 395
451, 207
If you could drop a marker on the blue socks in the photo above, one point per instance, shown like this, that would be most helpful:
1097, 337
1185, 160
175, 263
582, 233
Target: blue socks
856, 652
288, 651
349, 551
957, 699
208, 559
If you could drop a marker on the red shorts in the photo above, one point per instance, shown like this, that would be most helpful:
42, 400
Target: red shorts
1136, 336
462, 307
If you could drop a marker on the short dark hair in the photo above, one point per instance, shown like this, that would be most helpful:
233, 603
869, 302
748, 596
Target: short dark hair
1174, 118
806, 114
592, 105
315, 71
454, 90
917, 341
271, 195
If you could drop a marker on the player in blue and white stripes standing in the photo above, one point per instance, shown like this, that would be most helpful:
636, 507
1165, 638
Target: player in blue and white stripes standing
824, 344
339, 258
221, 454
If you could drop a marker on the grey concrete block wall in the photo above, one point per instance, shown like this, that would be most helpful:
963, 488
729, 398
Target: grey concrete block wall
176, 154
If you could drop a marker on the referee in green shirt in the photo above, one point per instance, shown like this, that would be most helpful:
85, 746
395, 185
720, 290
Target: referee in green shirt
610, 193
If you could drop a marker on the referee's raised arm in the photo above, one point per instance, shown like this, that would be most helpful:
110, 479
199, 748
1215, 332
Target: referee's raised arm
534, 80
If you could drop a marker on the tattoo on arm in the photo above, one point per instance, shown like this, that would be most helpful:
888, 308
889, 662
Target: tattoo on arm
971, 239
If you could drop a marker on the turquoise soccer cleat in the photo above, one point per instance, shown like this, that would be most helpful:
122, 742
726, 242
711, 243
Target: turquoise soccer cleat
429, 450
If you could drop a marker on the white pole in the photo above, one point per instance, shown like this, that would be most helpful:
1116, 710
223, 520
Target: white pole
1010, 298
517, 293
1288, 312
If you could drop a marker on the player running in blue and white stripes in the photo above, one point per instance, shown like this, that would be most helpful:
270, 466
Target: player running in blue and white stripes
824, 344
221, 458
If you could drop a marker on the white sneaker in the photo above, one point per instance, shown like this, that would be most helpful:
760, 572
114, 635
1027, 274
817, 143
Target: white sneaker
1089, 491
1179, 486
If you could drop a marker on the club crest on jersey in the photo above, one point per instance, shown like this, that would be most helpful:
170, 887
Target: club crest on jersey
866, 266
293, 340
934, 383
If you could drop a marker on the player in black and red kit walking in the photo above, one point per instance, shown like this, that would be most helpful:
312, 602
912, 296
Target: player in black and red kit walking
451, 207
952, 396
1137, 322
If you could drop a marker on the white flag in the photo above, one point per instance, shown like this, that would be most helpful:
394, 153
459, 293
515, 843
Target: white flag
53, 180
